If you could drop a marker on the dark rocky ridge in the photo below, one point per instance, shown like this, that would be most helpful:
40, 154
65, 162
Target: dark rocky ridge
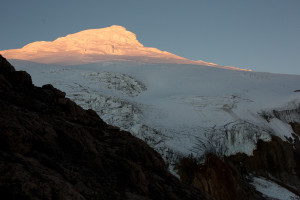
228, 177
50, 148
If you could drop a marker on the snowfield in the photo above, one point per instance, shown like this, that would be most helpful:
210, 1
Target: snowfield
271, 190
181, 109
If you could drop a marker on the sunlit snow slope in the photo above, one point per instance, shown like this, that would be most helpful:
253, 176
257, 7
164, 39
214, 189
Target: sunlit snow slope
97, 45
181, 109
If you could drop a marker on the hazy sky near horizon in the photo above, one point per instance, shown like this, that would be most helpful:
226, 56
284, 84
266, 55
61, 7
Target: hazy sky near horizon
262, 35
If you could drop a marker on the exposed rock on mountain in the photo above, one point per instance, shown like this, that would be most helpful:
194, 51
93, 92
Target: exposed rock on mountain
222, 181
217, 178
50, 148
229, 177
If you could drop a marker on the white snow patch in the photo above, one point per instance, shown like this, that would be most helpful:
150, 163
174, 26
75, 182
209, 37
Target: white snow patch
272, 190
280, 128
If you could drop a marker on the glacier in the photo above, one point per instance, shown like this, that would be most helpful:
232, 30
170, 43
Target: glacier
180, 109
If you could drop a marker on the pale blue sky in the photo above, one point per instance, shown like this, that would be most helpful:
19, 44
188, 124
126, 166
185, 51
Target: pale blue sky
263, 35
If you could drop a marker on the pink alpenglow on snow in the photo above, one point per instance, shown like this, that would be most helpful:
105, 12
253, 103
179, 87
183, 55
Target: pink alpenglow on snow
113, 43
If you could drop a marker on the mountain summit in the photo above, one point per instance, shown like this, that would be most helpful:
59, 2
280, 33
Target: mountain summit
113, 43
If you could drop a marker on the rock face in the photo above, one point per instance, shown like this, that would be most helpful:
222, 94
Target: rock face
276, 160
50, 148
222, 181
216, 177
229, 177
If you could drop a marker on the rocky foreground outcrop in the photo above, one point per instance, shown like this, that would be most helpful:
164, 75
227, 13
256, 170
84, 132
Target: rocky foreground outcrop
50, 148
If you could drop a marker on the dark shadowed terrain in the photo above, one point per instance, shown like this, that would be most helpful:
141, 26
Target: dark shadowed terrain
50, 148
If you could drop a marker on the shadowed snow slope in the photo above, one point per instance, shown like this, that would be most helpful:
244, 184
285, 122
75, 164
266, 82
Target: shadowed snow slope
96, 45
181, 109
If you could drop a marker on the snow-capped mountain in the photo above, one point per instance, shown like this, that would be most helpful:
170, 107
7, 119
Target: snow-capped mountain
177, 105
113, 43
